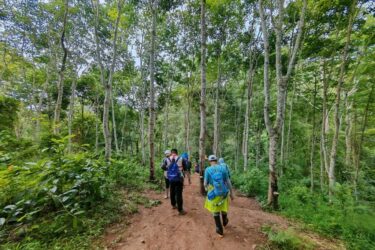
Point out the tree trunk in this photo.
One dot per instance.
(114, 125)
(274, 130)
(71, 113)
(313, 140)
(357, 157)
(60, 83)
(188, 121)
(202, 135)
(289, 128)
(215, 146)
(166, 117)
(152, 92)
(108, 88)
(40, 104)
(333, 155)
(245, 139)
(97, 124)
(348, 130)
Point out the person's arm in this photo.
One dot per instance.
(206, 182)
(229, 183)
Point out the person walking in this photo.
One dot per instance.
(187, 166)
(218, 187)
(176, 181)
(164, 165)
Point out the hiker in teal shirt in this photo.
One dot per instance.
(214, 176)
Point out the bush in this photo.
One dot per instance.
(342, 218)
(287, 240)
(252, 183)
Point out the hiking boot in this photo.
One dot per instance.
(183, 212)
(225, 219)
(174, 207)
(219, 226)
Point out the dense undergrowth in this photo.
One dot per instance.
(342, 218)
(53, 200)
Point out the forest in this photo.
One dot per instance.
(92, 92)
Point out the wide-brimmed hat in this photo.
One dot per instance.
(167, 152)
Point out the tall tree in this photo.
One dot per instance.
(281, 81)
(202, 135)
(60, 84)
(153, 6)
(333, 154)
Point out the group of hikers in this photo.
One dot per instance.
(216, 183)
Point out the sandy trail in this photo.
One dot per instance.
(162, 228)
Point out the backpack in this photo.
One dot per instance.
(165, 163)
(220, 188)
(173, 173)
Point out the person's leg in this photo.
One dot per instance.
(219, 226)
(179, 188)
(173, 194)
(166, 188)
(188, 174)
(224, 216)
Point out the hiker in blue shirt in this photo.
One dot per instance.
(218, 187)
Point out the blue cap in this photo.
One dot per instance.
(221, 160)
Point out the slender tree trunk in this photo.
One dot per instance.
(357, 161)
(40, 104)
(60, 83)
(289, 126)
(108, 88)
(71, 113)
(202, 135)
(114, 125)
(257, 144)
(348, 130)
(96, 124)
(323, 138)
(245, 139)
(123, 135)
(152, 92)
(166, 117)
(143, 146)
(215, 146)
(333, 155)
(313, 141)
(188, 121)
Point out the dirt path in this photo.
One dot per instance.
(162, 228)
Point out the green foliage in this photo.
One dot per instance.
(253, 183)
(64, 199)
(14, 150)
(286, 239)
(8, 113)
(343, 218)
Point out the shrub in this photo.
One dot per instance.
(252, 183)
(286, 239)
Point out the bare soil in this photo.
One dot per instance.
(161, 227)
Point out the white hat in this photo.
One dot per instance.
(167, 152)
(212, 158)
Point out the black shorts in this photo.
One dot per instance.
(166, 182)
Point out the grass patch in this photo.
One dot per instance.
(286, 239)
